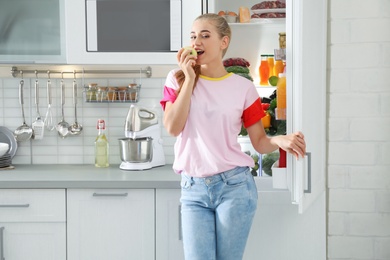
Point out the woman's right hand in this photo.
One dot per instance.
(186, 62)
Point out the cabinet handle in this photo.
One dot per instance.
(308, 190)
(2, 243)
(110, 194)
(180, 228)
(14, 206)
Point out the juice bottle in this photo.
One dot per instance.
(271, 65)
(281, 103)
(264, 70)
(279, 67)
(101, 145)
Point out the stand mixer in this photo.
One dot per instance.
(141, 124)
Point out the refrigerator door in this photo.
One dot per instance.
(306, 105)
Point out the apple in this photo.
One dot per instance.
(193, 51)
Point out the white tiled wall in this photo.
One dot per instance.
(359, 130)
(52, 149)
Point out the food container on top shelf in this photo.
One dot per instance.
(103, 94)
(231, 17)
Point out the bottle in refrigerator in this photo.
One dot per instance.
(270, 60)
(101, 145)
(281, 97)
(264, 70)
(278, 67)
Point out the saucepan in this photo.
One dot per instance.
(136, 150)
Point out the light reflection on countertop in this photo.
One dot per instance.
(88, 176)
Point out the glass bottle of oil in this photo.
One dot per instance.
(101, 145)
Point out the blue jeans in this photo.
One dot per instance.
(217, 214)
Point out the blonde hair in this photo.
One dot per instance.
(223, 30)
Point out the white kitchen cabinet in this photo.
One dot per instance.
(32, 31)
(77, 34)
(111, 224)
(169, 244)
(32, 224)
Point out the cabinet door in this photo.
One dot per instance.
(33, 241)
(306, 100)
(76, 37)
(169, 245)
(32, 31)
(32, 205)
(280, 232)
(110, 224)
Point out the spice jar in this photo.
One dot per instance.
(132, 92)
(91, 92)
(101, 94)
(121, 93)
(111, 94)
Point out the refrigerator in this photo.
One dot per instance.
(291, 218)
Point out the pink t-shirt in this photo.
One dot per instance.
(208, 143)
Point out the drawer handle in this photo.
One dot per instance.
(14, 205)
(2, 243)
(110, 194)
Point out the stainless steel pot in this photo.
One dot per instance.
(136, 150)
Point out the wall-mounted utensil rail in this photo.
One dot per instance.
(15, 72)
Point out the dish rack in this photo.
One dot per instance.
(104, 94)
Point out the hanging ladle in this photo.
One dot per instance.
(49, 116)
(63, 126)
(75, 128)
(23, 132)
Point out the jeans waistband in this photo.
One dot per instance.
(220, 176)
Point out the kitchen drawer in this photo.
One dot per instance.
(32, 205)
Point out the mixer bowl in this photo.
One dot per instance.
(136, 150)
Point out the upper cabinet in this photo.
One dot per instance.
(32, 31)
(128, 31)
(95, 31)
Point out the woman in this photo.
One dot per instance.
(204, 107)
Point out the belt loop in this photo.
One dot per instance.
(223, 177)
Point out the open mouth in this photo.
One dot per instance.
(199, 52)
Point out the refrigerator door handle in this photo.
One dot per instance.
(308, 190)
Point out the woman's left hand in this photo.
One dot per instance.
(294, 143)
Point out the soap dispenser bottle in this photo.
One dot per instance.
(101, 145)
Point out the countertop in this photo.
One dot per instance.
(85, 176)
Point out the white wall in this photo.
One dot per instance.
(359, 129)
(74, 149)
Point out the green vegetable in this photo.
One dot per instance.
(245, 75)
(237, 69)
(243, 131)
(268, 160)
